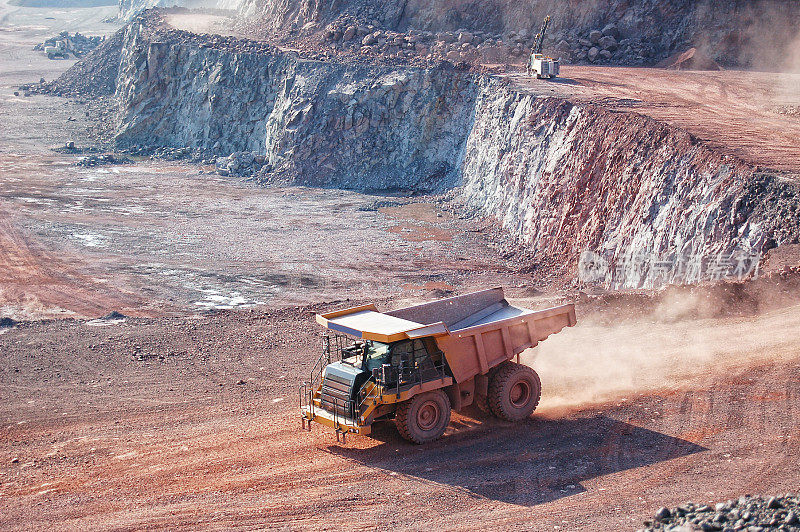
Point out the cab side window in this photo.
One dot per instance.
(402, 352)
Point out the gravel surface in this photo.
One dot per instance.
(751, 513)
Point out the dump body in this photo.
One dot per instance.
(482, 330)
(451, 345)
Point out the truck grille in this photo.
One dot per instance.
(335, 396)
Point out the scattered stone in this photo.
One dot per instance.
(242, 164)
(773, 503)
(100, 160)
(7, 323)
(241, 382)
(608, 43)
(595, 36)
(663, 514)
(349, 33)
(749, 513)
(593, 53)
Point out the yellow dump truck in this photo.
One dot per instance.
(416, 364)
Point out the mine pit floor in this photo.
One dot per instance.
(192, 422)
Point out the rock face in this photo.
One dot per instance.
(562, 179)
(361, 127)
(644, 197)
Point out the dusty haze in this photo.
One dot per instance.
(595, 363)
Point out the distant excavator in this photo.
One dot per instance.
(538, 64)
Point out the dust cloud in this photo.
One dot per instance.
(594, 363)
(792, 65)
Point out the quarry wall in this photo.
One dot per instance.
(322, 124)
(647, 200)
(562, 179)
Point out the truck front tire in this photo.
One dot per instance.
(424, 417)
(514, 391)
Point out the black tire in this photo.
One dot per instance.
(424, 417)
(514, 391)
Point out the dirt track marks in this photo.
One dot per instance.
(37, 282)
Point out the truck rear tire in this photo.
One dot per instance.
(424, 417)
(514, 391)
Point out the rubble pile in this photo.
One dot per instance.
(454, 46)
(243, 164)
(64, 45)
(95, 75)
(601, 46)
(754, 514)
(169, 153)
(91, 161)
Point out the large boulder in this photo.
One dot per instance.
(593, 53)
(350, 32)
(611, 30)
(608, 42)
(595, 36)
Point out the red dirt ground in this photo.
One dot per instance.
(752, 115)
(143, 425)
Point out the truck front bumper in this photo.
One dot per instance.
(336, 422)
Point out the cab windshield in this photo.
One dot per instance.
(366, 355)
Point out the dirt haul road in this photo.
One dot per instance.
(191, 422)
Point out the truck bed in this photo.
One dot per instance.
(476, 332)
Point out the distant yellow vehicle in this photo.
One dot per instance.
(416, 364)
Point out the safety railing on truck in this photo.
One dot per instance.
(405, 376)
(307, 388)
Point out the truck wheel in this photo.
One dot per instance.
(514, 391)
(424, 417)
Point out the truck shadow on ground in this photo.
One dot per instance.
(530, 463)
(564, 81)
